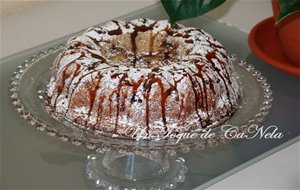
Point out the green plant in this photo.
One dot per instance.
(287, 7)
(184, 9)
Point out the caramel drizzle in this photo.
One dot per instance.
(61, 87)
(96, 42)
(148, 85)
(99, 111)
(92, 95)
(122, 79)
(77, 44)
(66, 54)
(203, 91)
(56, 64)
(151, 78)
(91, 67)
(174, 88)
(117, 31)
(209, 57)
(196, 94)
(181, 107)
(135, 86)
(76, 86)
(134, 34)
(146, 96)
(99, 57)
(200, 76)
(151, 43)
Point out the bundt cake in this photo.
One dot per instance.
(143, 75)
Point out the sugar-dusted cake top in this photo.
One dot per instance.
(134, 67)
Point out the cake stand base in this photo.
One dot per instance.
(114, 170)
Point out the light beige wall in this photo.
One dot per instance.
(11, 6)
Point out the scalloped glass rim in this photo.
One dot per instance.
(30, 79)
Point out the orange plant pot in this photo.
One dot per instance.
(288, 31)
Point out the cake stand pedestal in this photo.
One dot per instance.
(114, 170)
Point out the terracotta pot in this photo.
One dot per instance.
(288, 31)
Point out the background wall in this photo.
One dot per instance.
(37, 22)
(8, 7)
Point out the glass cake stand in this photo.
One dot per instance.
(120, 163)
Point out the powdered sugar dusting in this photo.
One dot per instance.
(143, 73)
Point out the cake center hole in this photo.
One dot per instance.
(143, 50)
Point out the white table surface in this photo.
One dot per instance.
(47, 21)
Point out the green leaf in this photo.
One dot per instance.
(184, 9)
(287, 7)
